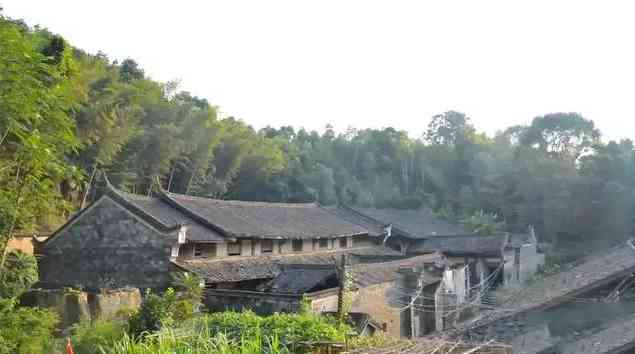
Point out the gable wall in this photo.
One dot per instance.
(106, 247)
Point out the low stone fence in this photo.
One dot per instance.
(74, 306)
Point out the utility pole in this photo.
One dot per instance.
(341, 311)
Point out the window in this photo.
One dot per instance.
(281, 244)
(233, 248)
(323, 242)
(296, 245)
(343, 242)
(267, 246)
(186, 250)
(204, 250)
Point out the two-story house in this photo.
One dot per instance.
(124, 239)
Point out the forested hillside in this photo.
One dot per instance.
(65, 114)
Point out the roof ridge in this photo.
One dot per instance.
(165, 196)
(434, 255)
(395, 226)
(242, 202)
(118, 196)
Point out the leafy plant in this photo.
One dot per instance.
(25, 330)
(483, 223)
(155, 312)
(90, 337)
(20, 272)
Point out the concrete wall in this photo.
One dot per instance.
(324, 301)
(529, 262)
(106, 247)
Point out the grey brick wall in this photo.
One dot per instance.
(107, 247)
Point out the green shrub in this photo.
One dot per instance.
(18, 274)
(155, 311)
(286, 328)
(89, 337)
(24, 329)
(234, 333)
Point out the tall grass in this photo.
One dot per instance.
(174, 341)
(233, 333)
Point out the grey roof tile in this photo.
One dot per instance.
(268, 220)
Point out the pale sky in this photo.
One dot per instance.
(371, 63)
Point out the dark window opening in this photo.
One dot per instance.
(267, 246)
(343, 242)
(233, 248)
(323, 242)
(185, 250)
(296, 245)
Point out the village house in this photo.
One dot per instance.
(414, 232)
(128, 240)
(408, 268)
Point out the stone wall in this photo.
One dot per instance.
(106, 246)
(74, 306)
(71, 306)
(109, 304)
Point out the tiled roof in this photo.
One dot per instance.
(302, 278)
(583, 275)
(214, 220)
(267, 220)
(376, 273)
(417, 223)
(267, 267)
(489, 245)
(172, 217)
(374, 227)
(617, 337)
(423, 346)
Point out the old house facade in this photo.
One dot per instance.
(127, 240)
(270, 257)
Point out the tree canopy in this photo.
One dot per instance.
(65, 113)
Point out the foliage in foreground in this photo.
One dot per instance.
(171, 341)
(223, 332)
(25, 330)
(91, 337)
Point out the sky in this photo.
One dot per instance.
(371, 64)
